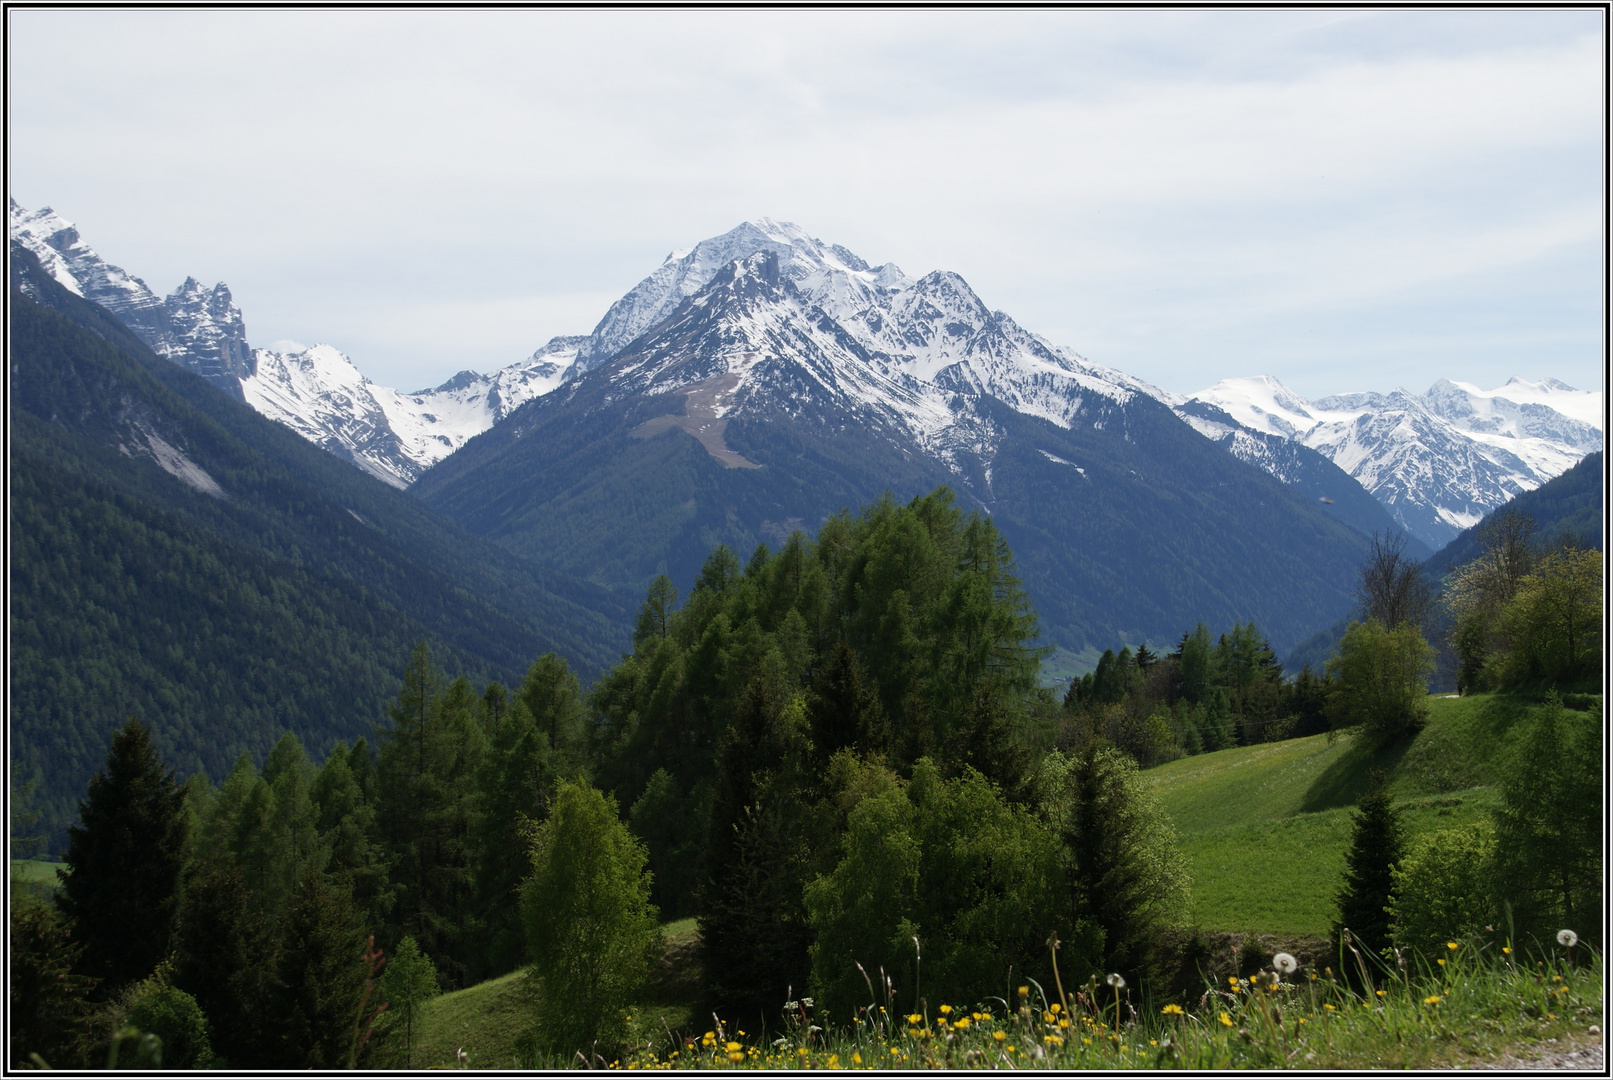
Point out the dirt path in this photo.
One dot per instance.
(1577, 1053)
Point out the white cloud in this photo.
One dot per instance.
(1163, 191)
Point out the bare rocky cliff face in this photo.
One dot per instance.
(194, 326)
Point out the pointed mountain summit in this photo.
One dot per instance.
(795, 381)
(196, 327)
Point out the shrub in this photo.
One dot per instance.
(408, 981)
(1554, 622)
(1442, 889)
(174, 1017)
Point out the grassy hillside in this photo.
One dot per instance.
(1264, 828)
(492, 1022)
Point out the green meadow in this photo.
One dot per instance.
(1264, 828)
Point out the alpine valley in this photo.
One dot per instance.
(764, 380)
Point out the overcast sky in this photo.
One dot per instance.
(1347, 200)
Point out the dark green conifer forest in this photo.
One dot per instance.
(835, 756)
(286, 600)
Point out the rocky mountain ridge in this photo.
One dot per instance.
(901, 349)
(1438, 461)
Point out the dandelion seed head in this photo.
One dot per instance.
(1116, 980)
(1285, 963)
(1567, 938)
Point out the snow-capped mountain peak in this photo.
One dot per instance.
(1438, 461)
(194, 326)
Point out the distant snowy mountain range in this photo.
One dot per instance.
(896, 352)
(1438, 462)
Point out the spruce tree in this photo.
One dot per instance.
(1194, 657)
(123, 863)
(554, 701)
(226, 958)
(843, 706)
(753, 923)
(347, 828)
(1124, 874)
(512, 790)
(319, 975)
(653, 617)
(47, 999)
(1549, 825)
(1377, 842)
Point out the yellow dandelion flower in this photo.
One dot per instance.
(732, 1046)
(1172, 1009)
(1024, 991)
(914, 1018)
(1450, 944)
(1507, 949)
(735, 1056)
(1052, 1040)
(1380, 993)
(1226, 1021)
(1329, 1008)
(962, 1024)
(1000, 1036)
(946, 1009)
(1431, 999)
(856, 1058)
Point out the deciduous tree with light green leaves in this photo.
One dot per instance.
(1553, 623)
(1380, 680)
(407, 983)
(591, 929)
(949, 862)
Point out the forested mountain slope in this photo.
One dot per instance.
(1568, 505)
(179, 557)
